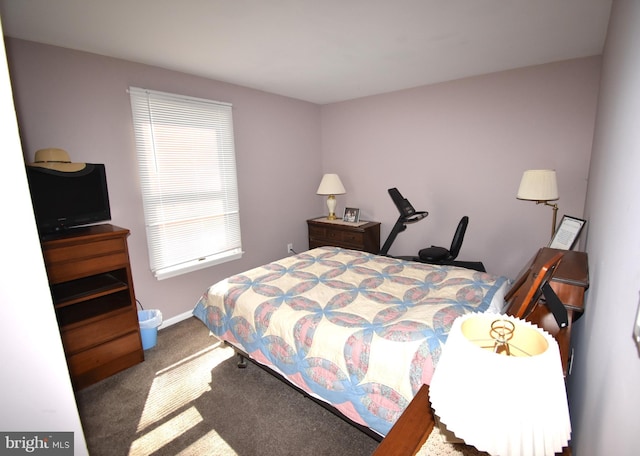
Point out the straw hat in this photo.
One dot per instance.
(57, 159)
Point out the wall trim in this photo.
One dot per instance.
(176, 319)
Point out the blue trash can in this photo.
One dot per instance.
(149, 321)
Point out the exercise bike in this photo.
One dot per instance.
(408, 215)
(433, 254)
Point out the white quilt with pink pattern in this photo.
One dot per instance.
(359, 331)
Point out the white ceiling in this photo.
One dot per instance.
(321, 51)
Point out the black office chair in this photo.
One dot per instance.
(440, 255)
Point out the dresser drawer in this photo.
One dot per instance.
(87, 266)
(76, 251)
(72, 260)
(103, 354)
(83, 336)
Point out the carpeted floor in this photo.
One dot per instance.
(189, 398)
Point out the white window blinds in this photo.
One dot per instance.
(188, 178)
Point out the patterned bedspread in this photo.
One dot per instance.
(359, 331)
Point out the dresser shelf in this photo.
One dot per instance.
(69, 293)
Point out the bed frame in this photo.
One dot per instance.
(242, 364)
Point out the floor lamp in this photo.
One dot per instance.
(541, 186)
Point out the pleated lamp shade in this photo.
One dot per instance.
(331, 185)
(538, 185)
(503, 405)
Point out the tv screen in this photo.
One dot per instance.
(63, 200)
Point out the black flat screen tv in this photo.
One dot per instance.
(65, 200)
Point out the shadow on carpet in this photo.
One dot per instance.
(189, 398)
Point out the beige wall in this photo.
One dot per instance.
(460, 148)
(605, 384)
(35, 393)
(452, 149)
(78, 101)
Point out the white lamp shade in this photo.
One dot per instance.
(538, 185)
(504, 405)
(331, 185)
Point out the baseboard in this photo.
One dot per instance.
(176, 319)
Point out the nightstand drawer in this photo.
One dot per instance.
(363, 236)
(336, 235)
(352, 238)
(316, 231)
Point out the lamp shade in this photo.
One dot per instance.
(504, 405)
(331, 185)
(538, 185)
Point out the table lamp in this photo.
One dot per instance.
(331, 185)
(540, 185)
(499, 386)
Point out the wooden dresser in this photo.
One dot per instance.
(92, 289)
(363, 236)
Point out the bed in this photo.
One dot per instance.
(354, 330)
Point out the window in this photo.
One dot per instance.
(187, 168)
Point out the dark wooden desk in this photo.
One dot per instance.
(570, 281)
(412, 429)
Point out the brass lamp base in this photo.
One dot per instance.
(331, 204)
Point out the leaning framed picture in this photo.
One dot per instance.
(567, 233)
(351, 214)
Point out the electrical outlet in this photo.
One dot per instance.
(290, 248)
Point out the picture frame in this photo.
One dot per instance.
(567, 233)
(351, 215)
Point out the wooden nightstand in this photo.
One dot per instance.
(363, 236)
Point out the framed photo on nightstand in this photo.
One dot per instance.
(351, 214)
(567, 233)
